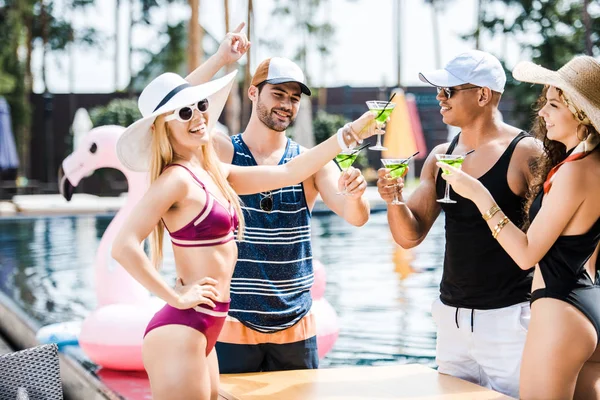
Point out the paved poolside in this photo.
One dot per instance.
(82, 203)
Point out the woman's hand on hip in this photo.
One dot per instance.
(199, 292)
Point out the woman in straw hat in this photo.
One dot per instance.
(194, 196)
(561, 356)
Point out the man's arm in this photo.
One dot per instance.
(410, 223)
(353, 208)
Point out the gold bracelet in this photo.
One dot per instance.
(499, 226)
(491, 212)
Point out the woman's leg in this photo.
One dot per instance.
(559, 342)
(588, 382)
(176, 363)
(213, 373)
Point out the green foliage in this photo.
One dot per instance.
(50, 24)
(301, 19)
(551, 31)
(325, 125)
(13, 71)
(121, 112)
(171, 58)
(24, 24)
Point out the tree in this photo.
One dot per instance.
(172, 57)
(233, 109)
(302, 18)
(54, 32)
(13, 83)
(195, 53)
(436, 7)
(551, 31)
(26, 23)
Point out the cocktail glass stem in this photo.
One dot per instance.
(345, 191)
(447, 193)
(396, 201)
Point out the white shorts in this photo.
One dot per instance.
(482, 346)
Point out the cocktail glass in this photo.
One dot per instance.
(397, 167)
(454, 160)
(344, 160)
(382, 110)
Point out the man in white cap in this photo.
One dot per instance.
(270, 325)
(483, 310)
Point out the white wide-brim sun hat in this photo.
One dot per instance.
(168, 92)
(579, 79)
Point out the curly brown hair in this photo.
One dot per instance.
(554, 152)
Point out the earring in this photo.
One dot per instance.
(587, 132)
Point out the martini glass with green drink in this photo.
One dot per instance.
(344, 160)
(454, 160)
(382, 111)
(397, 167)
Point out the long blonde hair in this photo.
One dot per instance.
(162, 155)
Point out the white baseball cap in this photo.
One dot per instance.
(278, 70)
(475, 67)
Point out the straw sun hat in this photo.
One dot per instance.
(168, 92)
(579, 79)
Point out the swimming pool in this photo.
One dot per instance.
(382, 294)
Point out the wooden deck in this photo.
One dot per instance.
(404, 382)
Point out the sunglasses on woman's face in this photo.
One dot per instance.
(448, 91)
(185, 114)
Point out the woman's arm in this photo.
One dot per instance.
(232, 48)
(127, 246)
(559, 206)
(249, 180)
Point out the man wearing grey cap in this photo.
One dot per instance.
(270, 324)
(483, 310)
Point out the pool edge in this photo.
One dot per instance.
(19, 330)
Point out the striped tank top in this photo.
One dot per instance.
(270, 288)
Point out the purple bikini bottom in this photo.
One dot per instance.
(202, 318)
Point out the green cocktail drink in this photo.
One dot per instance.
(345, 160)
(397, 167)
(397, 170)
(381, 115)
(382, 110)
(453, 163)
(454, 160)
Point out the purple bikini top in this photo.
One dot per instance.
(212, 226)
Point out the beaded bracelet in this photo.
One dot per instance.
(499, 226)
(340, 138)
(491, 212)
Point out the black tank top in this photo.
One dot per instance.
(478, 273)
(563, 265)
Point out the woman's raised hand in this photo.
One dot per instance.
(361, 128)
(200, 292)
(234, 46)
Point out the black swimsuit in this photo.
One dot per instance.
(564, 274)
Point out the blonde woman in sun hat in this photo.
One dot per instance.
(194, 197)
(561, 353)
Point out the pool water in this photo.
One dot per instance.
(382, 293)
